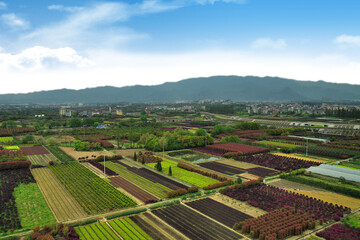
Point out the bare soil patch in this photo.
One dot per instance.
(238, 205)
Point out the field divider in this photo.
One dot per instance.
(193, 209)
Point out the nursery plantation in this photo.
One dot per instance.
(176, 175)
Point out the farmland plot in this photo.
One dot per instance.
(131, 188)
(222, 168)
(60, 201)
(34, 150)
(194, 225)
(218, 211)
(123, 227)
(41, 159)
(93, 194)
(21, 203)
(155, 228)
(136, 176)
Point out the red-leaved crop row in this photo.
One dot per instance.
(277, 224)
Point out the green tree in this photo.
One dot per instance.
(27, 139)
(75, 122)
(135, 157)
(143, 160)
(170, 171)
(158, 166)
(230, 139)
(200, 132)
(239, 180)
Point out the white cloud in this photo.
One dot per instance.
(3, 5)
(62, 8)
(348, 40)
(214, 1)
(268, 43)
(124, 68)
(14, 21)
(40, 58)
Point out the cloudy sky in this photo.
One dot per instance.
(79, 44)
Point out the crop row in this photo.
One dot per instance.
(93, 194)
(340, 231)
(334, 153)
(152, 187)
(101, 167)
(131, 188)
(6, 139)
(278, 224)
(34, 150)
(271, 198)
(12, 148)
(218, 211)
(63, 205)
(11, 131)
(194, 225)
(63, 157)
(123, 227)
(277, 162)
(41, 159)
(239, 149)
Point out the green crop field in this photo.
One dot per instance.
(123, 227)
(93, 193)
(185, 175)
(31, 206)
(6, 139)
(11, 147)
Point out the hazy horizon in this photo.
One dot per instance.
(49, 45)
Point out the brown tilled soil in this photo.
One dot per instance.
(77, 154)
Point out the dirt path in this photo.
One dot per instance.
(238, 205)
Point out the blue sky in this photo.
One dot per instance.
(78, 44)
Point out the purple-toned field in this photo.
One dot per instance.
(280, 163)
(216, 210)
(222, 168)
(270, 198)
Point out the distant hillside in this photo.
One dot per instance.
(236, 88)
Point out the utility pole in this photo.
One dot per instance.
(163, 148)
(205, 138)
(104, 166)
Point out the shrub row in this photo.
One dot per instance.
(218, 184)
(182, 191)
(15, 165)
(108, 158)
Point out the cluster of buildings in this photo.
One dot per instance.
(296, 108)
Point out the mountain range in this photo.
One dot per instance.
(236, 88)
